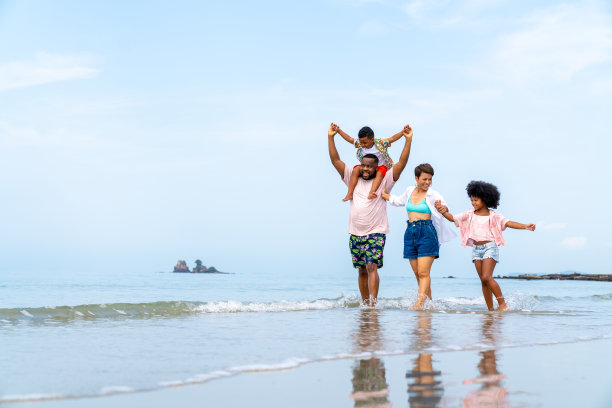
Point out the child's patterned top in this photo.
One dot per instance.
(381, 145)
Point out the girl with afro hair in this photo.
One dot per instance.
(481, 228)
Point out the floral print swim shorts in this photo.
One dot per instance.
(367, 249)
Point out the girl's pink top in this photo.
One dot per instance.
(497, 223)
(481, 231)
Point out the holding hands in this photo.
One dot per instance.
(442, 209)
(407, 131)
(385, 195)
(333, 129)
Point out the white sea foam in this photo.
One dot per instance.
(200, 378)
(26, 313)
(232, 306)
(29, 397)
(165, 384)
(464, 301)
(285, 365)
(116, 389)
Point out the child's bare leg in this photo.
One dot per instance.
(486, 292)
(488, 265)
(377, 182)
(353, 183)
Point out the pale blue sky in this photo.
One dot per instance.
(135, 134)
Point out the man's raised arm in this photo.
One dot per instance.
(403, 160)
(333, 152)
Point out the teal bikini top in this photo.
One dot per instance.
(421, 207)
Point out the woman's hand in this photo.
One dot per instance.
(385, 195)
(530, 227)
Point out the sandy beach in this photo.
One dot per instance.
(559, 375)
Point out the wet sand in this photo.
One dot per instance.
(546, 375)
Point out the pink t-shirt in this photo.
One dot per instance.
(368, 216)
(497, 223)
(481, 230)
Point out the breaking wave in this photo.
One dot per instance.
(170, 309)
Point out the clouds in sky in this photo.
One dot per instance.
(45, 68)
(556, 43)
(574, 242)
(550, 226)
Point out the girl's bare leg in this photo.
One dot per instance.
(486, 292)
(423, 270)
(353, 183)
(488, 265)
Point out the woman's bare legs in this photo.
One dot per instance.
(414, 265)
(490, 287)
(421, 268)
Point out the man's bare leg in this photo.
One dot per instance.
(373, 282)
(353, 183)
(362, 279)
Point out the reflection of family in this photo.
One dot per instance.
(368, 186)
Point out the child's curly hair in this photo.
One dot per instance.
(487, 192)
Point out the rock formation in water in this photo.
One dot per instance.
(181, 266)
(199, 268)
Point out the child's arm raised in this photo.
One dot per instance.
(399, 134)
(442, 209)
(344, 135)
(518, 225)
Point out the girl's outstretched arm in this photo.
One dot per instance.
(518, 225)
(442, 209)
(344, 135)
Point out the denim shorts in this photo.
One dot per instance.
(488, 250)
(367, 249)
(421, 239)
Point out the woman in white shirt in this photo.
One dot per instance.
(425, 231)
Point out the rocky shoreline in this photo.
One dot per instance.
(562, 276)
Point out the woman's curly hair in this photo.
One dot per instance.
(487, 192)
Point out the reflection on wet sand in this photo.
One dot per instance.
(424, 383)
(370, 388)
(491, 392)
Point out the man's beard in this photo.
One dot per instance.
(369, 178)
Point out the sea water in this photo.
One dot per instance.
(81, 335)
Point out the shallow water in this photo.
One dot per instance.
(76, 336)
